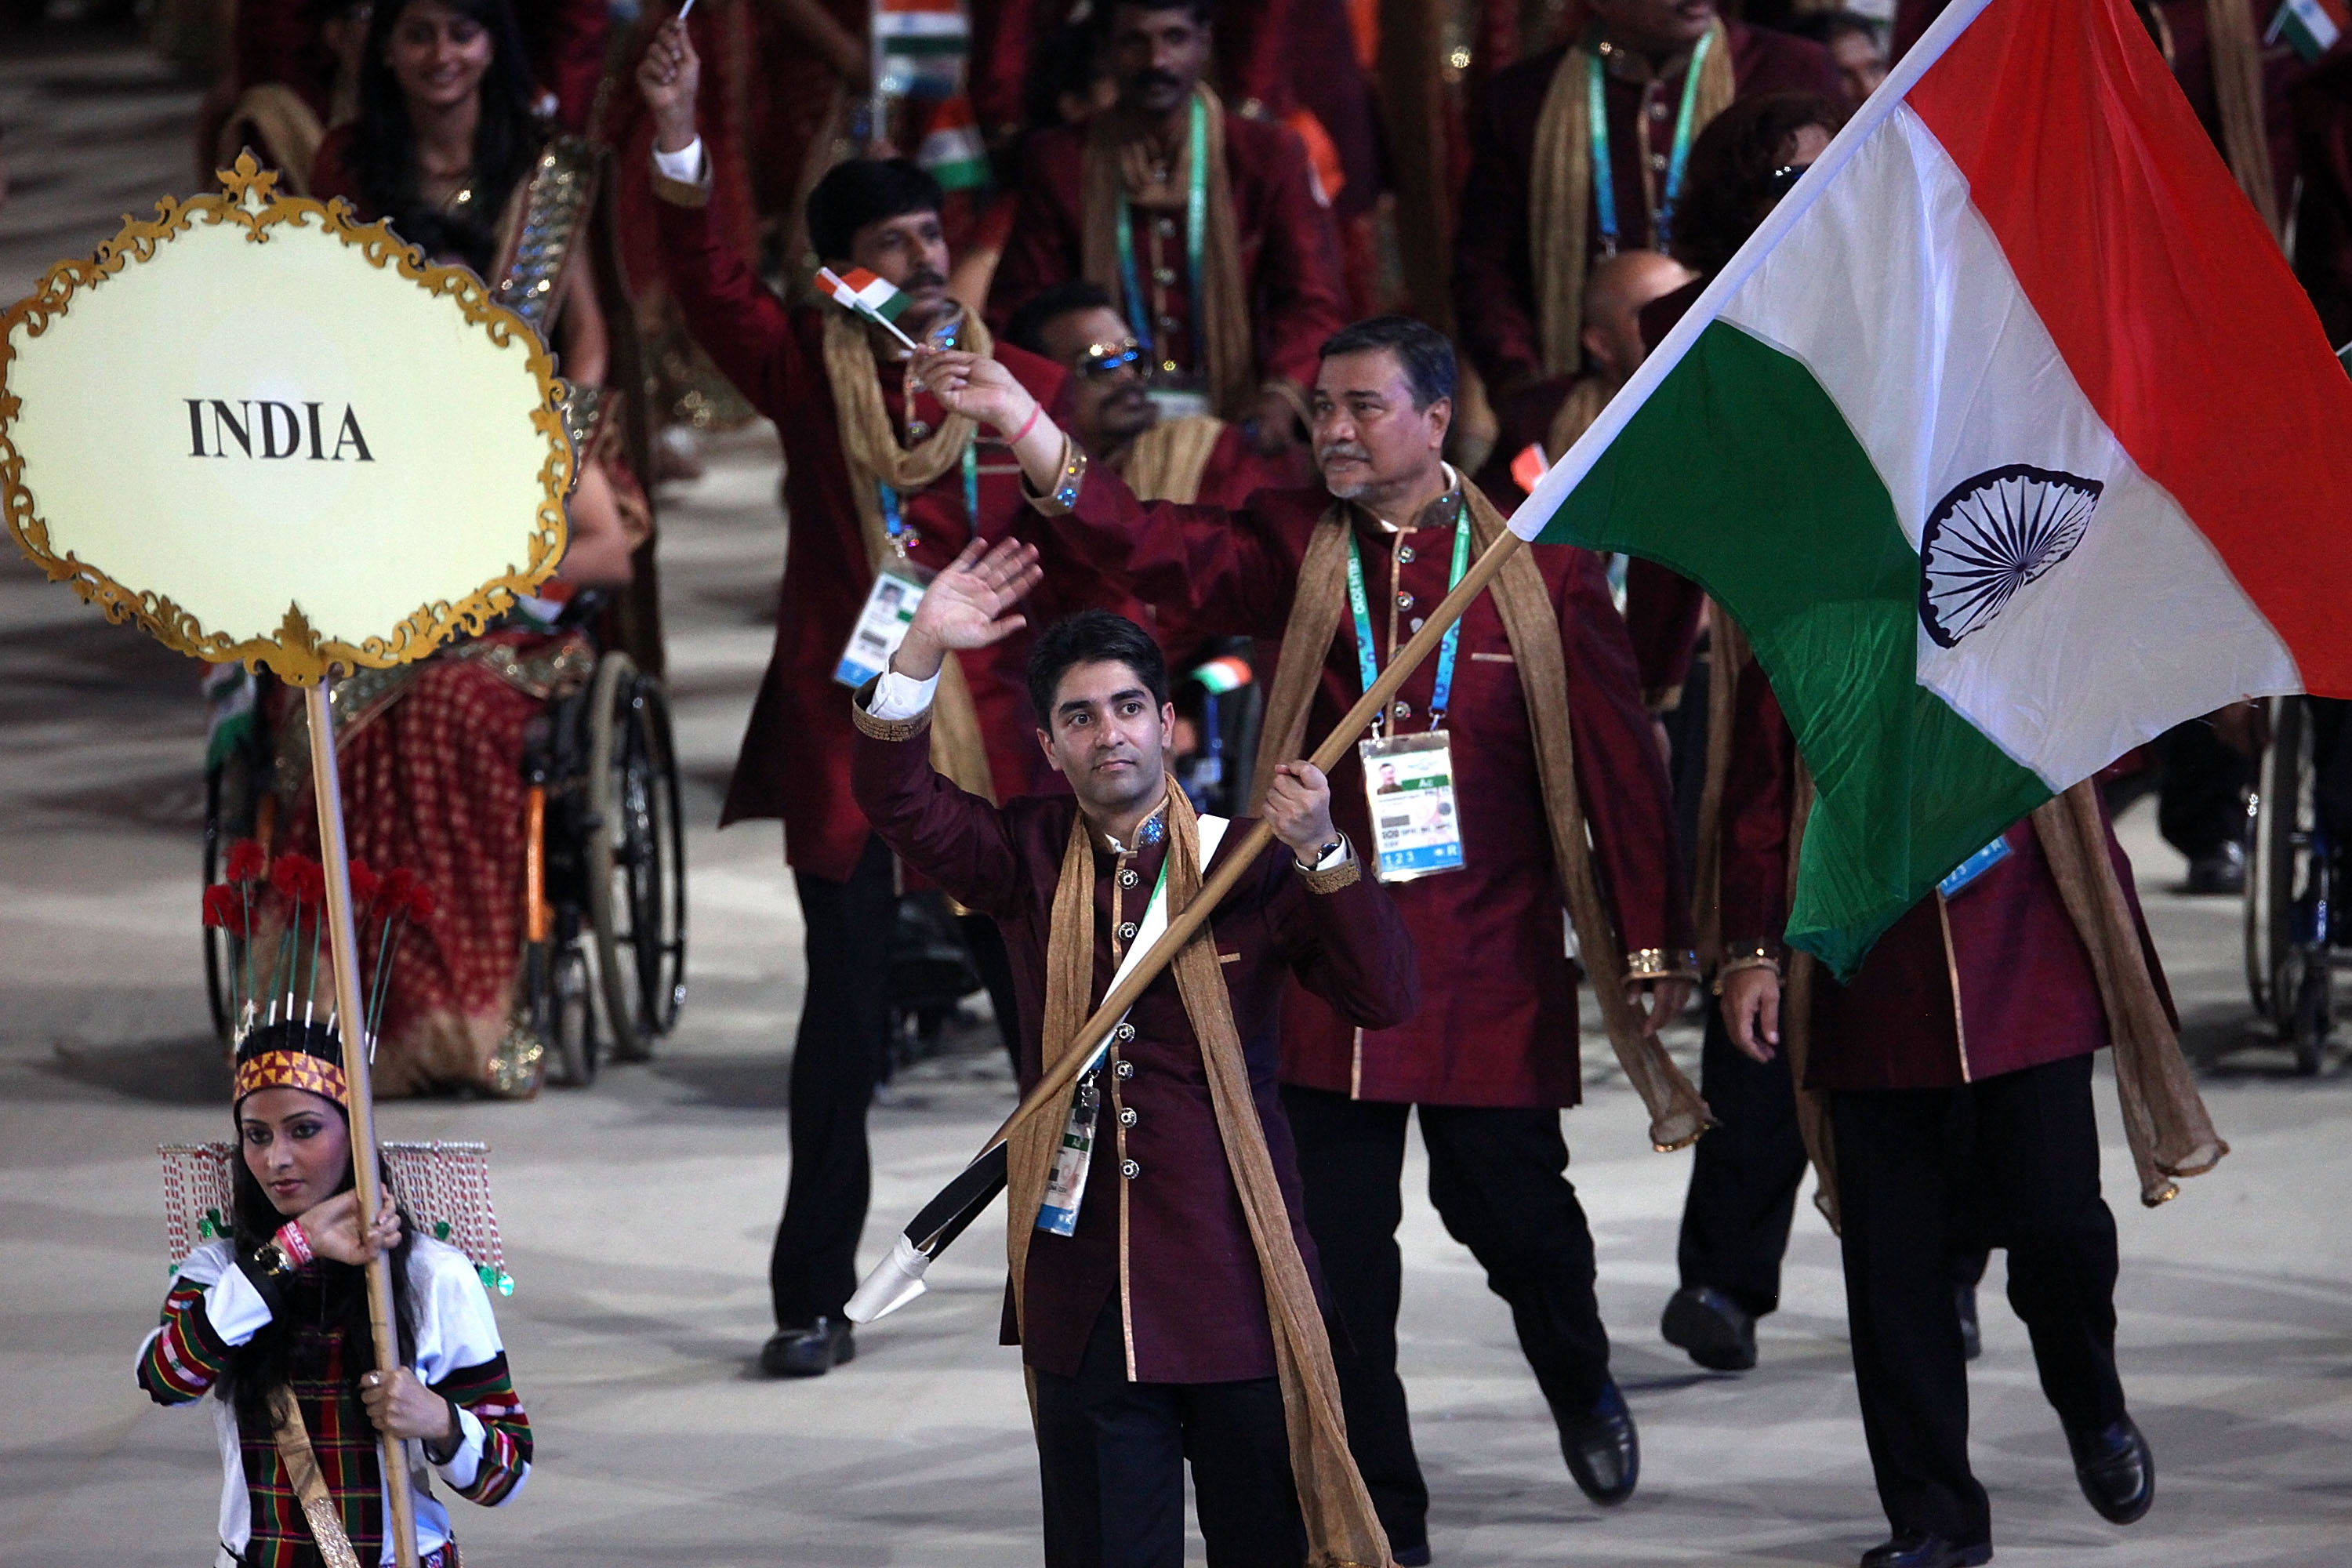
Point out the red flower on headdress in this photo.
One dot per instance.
(246, 860)
(300, 878)
(225, 906)
(365, 885)
(405, 894)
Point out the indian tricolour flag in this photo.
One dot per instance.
(2007, 437)
(861, 292)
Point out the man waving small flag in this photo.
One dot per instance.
(2009, 439)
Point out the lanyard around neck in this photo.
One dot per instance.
(901, 532)
(1604, 179)
(1368, 664)
(1196, 225)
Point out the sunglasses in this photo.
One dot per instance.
(1102, 360)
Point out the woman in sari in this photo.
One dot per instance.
(446, 149)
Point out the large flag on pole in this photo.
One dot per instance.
(2009, 439)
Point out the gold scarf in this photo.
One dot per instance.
(1578, 410)
(870, 449)
(1117, 167)
(2164, 1120)
(2237, 56)
(1678, 1114)
(1560, 192)
(1167, 462)
(1343, 1531)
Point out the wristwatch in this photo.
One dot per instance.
(271, 1260)
(1323, 854)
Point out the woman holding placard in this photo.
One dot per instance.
(271, 1315)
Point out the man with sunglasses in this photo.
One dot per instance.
(1196, 458)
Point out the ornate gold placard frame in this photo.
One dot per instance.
(295, 651)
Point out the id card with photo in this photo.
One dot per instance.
(881, 625)
(1409, 785)
(1066, 1183)
(1975, 865)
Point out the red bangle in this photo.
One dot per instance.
(294, 1244)
(1035, 411)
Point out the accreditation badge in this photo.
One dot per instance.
(1066, 1183)
(1975, 865)
(882, 624)
(1409, 783)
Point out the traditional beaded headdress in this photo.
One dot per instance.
(274, 913)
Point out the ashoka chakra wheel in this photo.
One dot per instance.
(1990, 536)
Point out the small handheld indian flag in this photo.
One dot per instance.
(2311, 26)
(862, 293)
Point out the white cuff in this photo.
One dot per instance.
(684, 166)
(897, 696)
(466, 1462)
(235, 1307)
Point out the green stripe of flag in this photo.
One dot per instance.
(1787, 523)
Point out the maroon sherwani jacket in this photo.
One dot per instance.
(795, 758)
(1493, 272)
(1497, 1024)
(1990, 981)
(1161, 1224)
(1290, 253)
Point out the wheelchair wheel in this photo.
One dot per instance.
(2274, 873)
(233, 790)
(565, 1011)
(637, 857)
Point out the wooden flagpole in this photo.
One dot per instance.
(350, 1003)
(1181, 926)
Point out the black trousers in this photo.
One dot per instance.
(1498, 1180)
(1745, 1176)
(838, 1057)
(1111, 1455)
(2201, 803)
(2026, 1147)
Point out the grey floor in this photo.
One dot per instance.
(637, 1213)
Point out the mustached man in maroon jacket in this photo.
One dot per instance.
(1146, 1318)
(794, 366)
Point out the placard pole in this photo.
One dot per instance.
(366, 1164)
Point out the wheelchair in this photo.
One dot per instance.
(603, 967)
(2295, 927)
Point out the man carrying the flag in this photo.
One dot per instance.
(1162, 1285)
(1525, 780)
(2007, 452)
(884, 486)
(1206, 227)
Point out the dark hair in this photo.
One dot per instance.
(1205, 12)
(1430, 368)
(506, 138)
(1066, 59)
(1027, 328)
(1092, 637)
(1829, 27)
(330, 1293)
(864, 191)
(1730, 186)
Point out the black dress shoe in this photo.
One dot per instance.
(1915, 1549)
(1717, 1333)
(2117, 1472)
(1964, 1296)
(1603, 1451)
(2223, 872)
(808, 1350)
